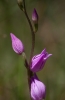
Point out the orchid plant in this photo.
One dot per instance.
(36, 63)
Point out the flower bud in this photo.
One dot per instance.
(39, 60)
(34, 16)
(17, 44)
(35, 19)
(38, 89)
(20, 3)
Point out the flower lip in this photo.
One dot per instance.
(17, 44)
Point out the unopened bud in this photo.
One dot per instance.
(34, 16)
(20, 3)
(17, 45)
(38, 89)
(35, 19)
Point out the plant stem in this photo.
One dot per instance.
(32, 31)
(29, 72)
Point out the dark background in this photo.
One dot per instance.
(50, 35)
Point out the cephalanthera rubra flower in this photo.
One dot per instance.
(39, 60)
(38, 89)
(16, 44)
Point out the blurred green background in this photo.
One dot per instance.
(50, 35)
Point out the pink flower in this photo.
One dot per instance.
(16, 44)
(38, 89)
(39, 60)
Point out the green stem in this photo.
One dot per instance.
(32, 31)
(29, 72)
